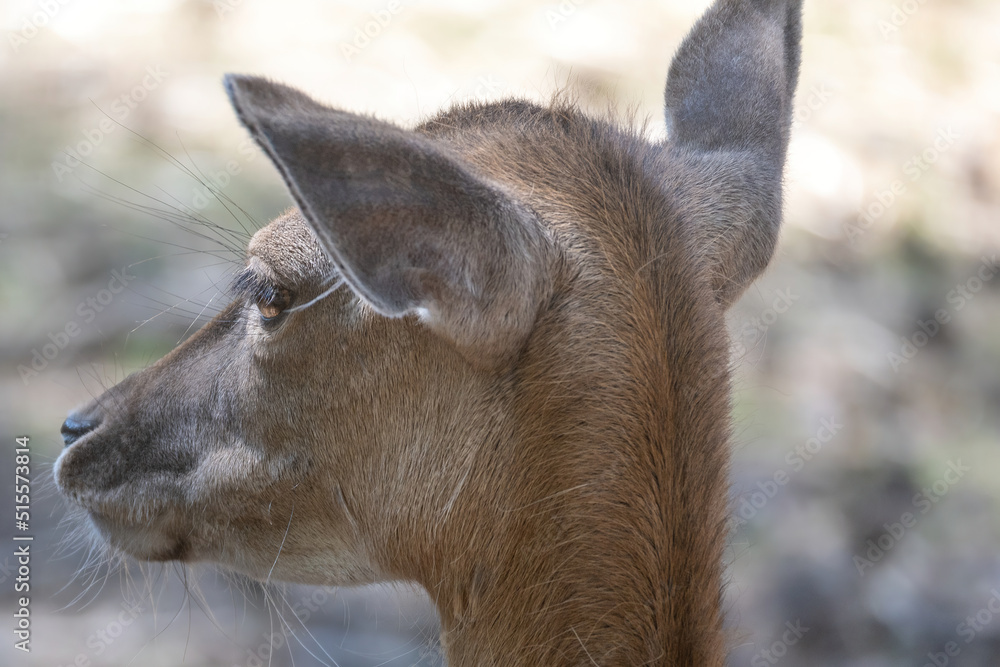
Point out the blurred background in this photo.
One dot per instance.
(866, 490)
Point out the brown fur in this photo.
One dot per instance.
(521, 399)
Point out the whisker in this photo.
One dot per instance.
(184, 169)
(195, 320)
(175, 218)
(222, 197)
(282, 545)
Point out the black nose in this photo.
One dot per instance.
(75, 428)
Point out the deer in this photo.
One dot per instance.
(486, 355)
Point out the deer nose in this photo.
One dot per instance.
(75, 428)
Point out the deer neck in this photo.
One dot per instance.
(595, 535)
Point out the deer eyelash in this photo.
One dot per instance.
(251, 286)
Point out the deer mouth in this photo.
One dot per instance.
(139, 519)
(146, 531)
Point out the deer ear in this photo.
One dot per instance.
(410, 228)
(729, 110)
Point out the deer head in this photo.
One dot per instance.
(486, 355)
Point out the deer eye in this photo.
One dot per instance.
(273, 304)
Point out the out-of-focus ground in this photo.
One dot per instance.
(866, 478)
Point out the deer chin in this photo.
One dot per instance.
(142, 542)
(144, 533)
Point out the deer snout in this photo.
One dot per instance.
(77, 426)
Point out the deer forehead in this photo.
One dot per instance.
(287, 249)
